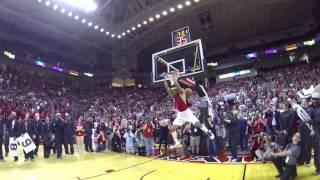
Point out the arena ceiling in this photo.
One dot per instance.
(217, 22)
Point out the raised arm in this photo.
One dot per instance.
(176, 83)
(166, 86)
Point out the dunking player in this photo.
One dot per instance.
(180, 97)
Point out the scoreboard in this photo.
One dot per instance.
(180, 36)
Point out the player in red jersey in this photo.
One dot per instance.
(180, 97)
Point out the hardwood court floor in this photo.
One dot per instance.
(128, 167)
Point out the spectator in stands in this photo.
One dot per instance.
(316, 124)
(275, 118)
(68, 135)
(116, 139)
(211, 143)
(2, 129)
(129, 137)
(140, 140)
(28, 126)
(164, 133)
(194, 139)
(221, 134)
(36, 138)
(232, 125)
(287, 122)
(14, 129)
(48, 137)
(59, 134)
(148, 137)
(243, 127)
(88, 126)
(79, 133)
(101, 142)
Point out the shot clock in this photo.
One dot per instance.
(180, 36)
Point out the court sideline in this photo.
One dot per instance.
(121, 166)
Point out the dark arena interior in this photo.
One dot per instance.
(159, 89)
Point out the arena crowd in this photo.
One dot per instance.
(134, 120)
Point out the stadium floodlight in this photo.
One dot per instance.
(63, 11)
(96, 27)
(139, 25)
(90, 24)
(119, 36)
(101, 30)
(76, 17)
(107, 33)
(55, 7)
(128, 31)
(86, 5)
(180, 6)
(145, 22)
(84, 21)
(123, 34)
(88, 74)
(151, 19)
(157, 16)
(70, 14)
(172, 9)
(196, 1)
(188, 3)
(39, 1)
(133, 28)
(112, 35)
(47, 3)
(164, 13)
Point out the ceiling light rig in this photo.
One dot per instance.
(55, 7)
(164, 13)
(89, 5)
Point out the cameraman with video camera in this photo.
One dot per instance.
(286, 160)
